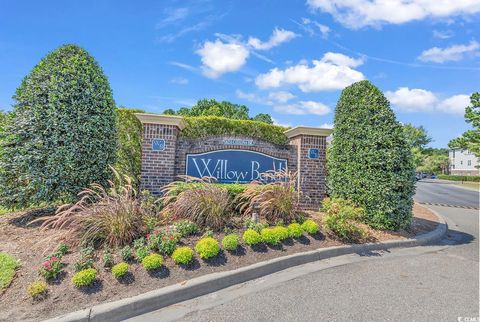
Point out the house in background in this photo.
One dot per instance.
(463, 162)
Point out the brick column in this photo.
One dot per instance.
(311, 163)
(159, 146)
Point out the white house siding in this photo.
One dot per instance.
(463, 162)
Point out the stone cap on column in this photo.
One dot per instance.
(306, 130)
(148, 118)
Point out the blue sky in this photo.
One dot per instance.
(287, 58)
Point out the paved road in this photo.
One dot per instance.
(444, 192)
(439, 282)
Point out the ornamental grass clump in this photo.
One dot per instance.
(152, 262)
(342, 218)
(37, 290)
(119, 270)
(85, 277)
(230, 242)
(182, 255)
(295, 230)
(111, 217)
(310, 227)
(276, 199)
(207, 205)
(251, 237)
(207, 247)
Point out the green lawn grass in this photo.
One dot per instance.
(470, 185)
(8, 265)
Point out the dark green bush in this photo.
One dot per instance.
(129, 152)
(197, 127)
(62, 136)
(459, 178)
(370, 161)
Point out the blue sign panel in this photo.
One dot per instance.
(233, 166)
(313, 153)
(158, 145)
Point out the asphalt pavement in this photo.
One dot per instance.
(447, 193)
(438, 282)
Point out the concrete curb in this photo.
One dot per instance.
(157, 299)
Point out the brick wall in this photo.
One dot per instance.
(311, 172)
(158, 167)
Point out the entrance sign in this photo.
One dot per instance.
(313, 153)
(233, 166)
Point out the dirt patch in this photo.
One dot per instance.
(30, 245)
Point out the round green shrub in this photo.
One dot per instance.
(85, 277)
(37, 289)
(270, 236)
(152, 261)
(370, 161)
(62, 137)
(252, 237)
(295, 230)
(119, 270)
(310, 227)
(182, 255)
(282, 232)
(230, 242)
(207, 247)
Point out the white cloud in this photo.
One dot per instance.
(326, 126)
(455, 104)
(421, 100)
(219, 57)
(443, 34)
(324, 29)
(179, 81)
(303, 107)
(278, 37)
(183, 66)
(361, 13)
(452, 53)
(412, 100)
(332, 72)
(172, 16)
(276, 122)
(281, 96)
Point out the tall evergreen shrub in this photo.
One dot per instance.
(370, 161)
(62, 136)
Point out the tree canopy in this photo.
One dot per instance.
(470, 139)
(62, 136)
(370, 161)
(211, 107)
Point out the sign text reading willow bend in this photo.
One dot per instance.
(233, 166)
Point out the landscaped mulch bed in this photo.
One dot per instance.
(30, 245)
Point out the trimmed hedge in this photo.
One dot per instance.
(459, 178)
(234, 189)
(197, 127)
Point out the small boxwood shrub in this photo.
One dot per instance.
(37, 289)
(252, 237)
(270, 236)
(182, 255)
(85, 277)
(230, 242)
(152, 262)
(119, 270)
(295, 230)
(282, 232)
(207, 247)
(310, 227)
